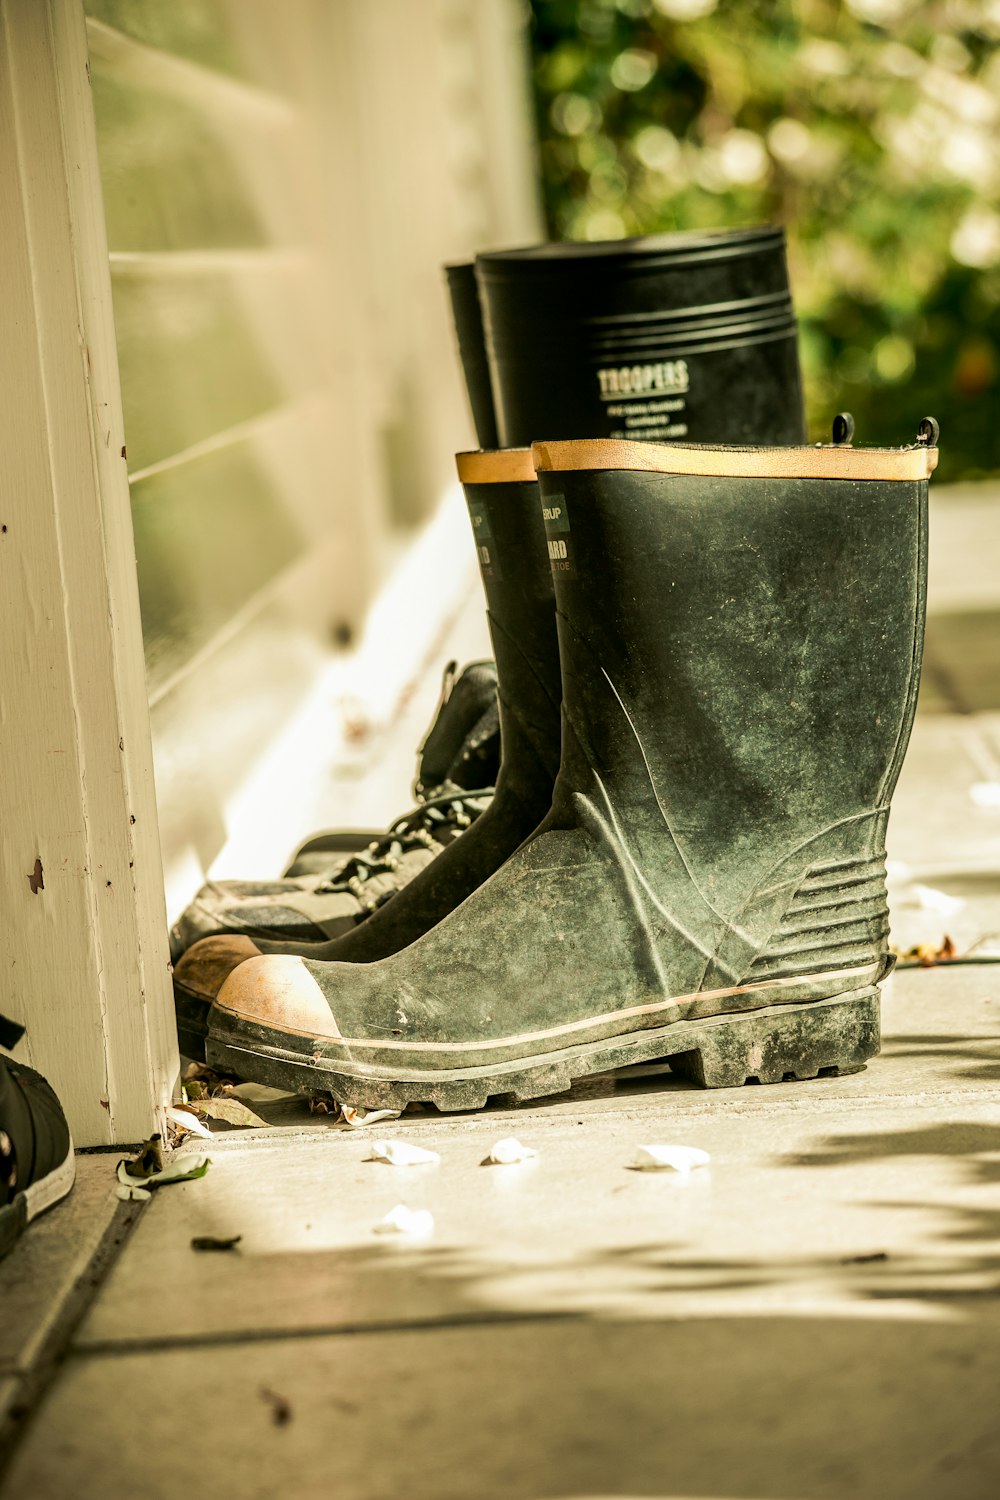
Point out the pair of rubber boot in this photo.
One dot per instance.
(739, 644)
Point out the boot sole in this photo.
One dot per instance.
(778, 1044)
(192, 1025)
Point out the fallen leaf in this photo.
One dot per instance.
(323, 1104)
(201, 1081)
(179, 1166)
(928, 955)
(281, 1411)
(149, 1159)
(210, 1242)
(233, 1111)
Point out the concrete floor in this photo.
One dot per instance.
(816, 1314)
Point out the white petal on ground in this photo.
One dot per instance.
(669, 1159)
(355, 1118)
(418, 1222)
(133, 1194)
(185, 1119)
(928, 899)
(402, 1154)
(258, 1093)
(508, 1151)
(179, 1166)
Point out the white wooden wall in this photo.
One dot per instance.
(262, 196)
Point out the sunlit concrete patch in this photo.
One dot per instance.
(813, 1407)
(854, 1211)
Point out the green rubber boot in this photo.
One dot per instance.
(506, 517)
(502, 495)
(740, 635)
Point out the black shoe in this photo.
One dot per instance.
(37, 1165)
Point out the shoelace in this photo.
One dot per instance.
(414, 830)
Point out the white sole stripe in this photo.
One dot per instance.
(53, 1186)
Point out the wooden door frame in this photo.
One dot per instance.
(83, 942)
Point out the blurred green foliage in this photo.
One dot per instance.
(869, 128)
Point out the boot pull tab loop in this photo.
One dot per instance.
(928, 433)
(843, 429)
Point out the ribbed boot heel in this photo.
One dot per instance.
(822, 1040)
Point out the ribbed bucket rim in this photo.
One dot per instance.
(691, 344)
(761, 305)
(644, 333)
(644, 253)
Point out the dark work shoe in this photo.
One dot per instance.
(338, 879)
(740, 631)
(305, 910)
(37, 1165)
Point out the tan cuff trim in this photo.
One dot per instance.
(496, 466)
(821, 462)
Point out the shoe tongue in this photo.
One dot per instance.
(459, 746)
(477, 762)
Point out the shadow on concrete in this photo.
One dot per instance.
(643, 1370)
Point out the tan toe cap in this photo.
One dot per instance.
(208, 963)
(278, 991)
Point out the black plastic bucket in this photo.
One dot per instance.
(672, 338)
(468, 319)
